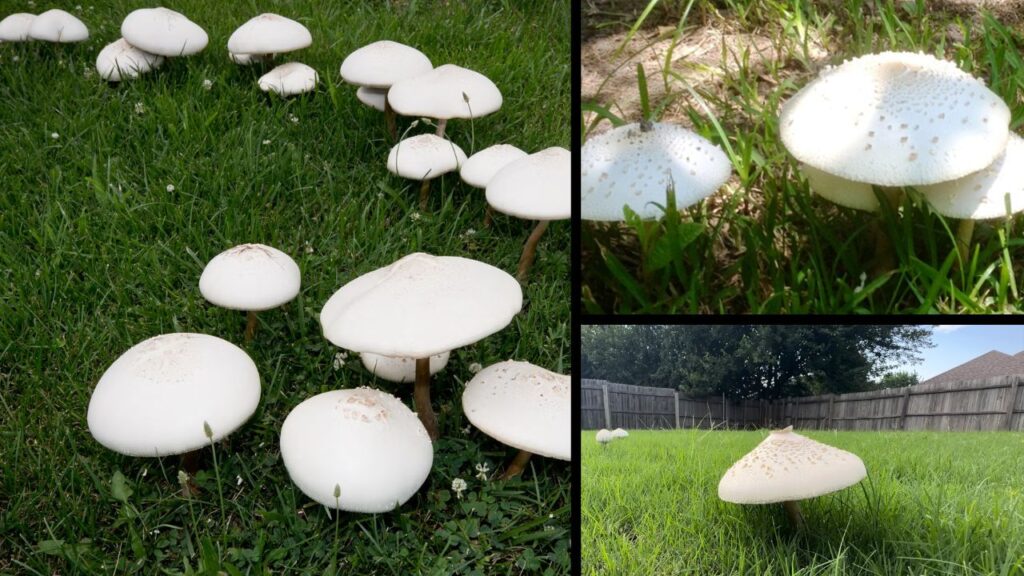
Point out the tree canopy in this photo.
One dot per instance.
(751, 361)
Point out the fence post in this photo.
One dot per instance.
(831, 403)
(725, 412)
(676, 396)
(1011, 404)
(906, 408)
(607, 408)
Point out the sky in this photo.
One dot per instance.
(956, 344)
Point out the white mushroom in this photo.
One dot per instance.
(289, 79)
(359, 450)
(537, 187)
(446, 92)
(15, 27)
(787, 467)
(163, 32)
(636, 164)
(250, 277)
(376, 67)
(424, 157)
(259, 38)
(400, 370)
(375, 98)
(524, 406)
(120, 60)
(604, 437)
(619, 433)
(419, 306)
(479, 168)
(58, 26)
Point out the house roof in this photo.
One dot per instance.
(992, 364)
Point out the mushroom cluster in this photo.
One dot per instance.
(899, 119)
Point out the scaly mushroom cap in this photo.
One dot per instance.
(400, 370)
(425, 157)
(164, 32)
(250, 277)
(420, 306)
(446, 92)
(982, 195)
(619, 433)
(15, 27)
(627, 166)
(524, 406)
(537, 187)
(289, 79)
(155, 398)
(372, 97)
(364, 441)
(57, 26)
(895, 119)
(121, 61)
(787, 466)
(604, 436)
(382, 63)
(479, 168)
(269, 34)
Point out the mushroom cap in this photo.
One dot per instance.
(57, 26)
(372, 97)
(400, 370)
(981, 194)
(849, 193)
(787, 466)
(382, 63)
(364, 441)
(523, 406)
(425, 157)
(250, 277)
(537, 187)
(628, 166)
(604, 436)
(895, 119)
(14, 28)
(119, 60)
(155, 398)
(479, 168)
(289, 79)
(248, 59)
(269, 34)
(619, 433)
(164, 32)
(421, 305)
(448, 91)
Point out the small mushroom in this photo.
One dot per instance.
(524, 406)
(359, 450)
(446, 92)
(289, 79)
(424, 157)
(400, 370)
(58, 26)
(537, 187)
(250, 277)
(636, 164)
(619, 433)
(376, 67)
(604, 437)
(479, 168)
(263, 36)
(15, 27)
(420, 306)
(163, 32)
(120, 60)
(787, 467)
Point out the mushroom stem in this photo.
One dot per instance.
(963, 239)
(421, 398)
(250, 326)
(516, 466)
(389, 118)
(488, 214)
(190, 464)
(796, 518)
(424, 194)
(530, 249)
(885, 257)
(441, 124)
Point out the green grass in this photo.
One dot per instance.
(105, 228)
(933, 503)
(764, 244)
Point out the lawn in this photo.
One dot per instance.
(933, 503)
(114, 198)
(763, 243)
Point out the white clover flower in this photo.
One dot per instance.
(415, 216)
(339, 361)
(458, 486)
(207, 84)
(470, 232)
(54, 135)
(265, 142)
(309, 247)
(170, 187)
(140, 108)
(482, 470)
(475, 367)
(294, 119)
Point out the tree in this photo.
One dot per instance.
(898, 379)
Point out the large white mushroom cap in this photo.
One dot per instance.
(289, 79)
(164, 32)
(401, 370)
(628, 166)
(421, 305)
(155, 399)
(787, 466)
(372, 97)
(382, 63)
(524, 406)
(537, 187)
(619, 433)
(479, 168)
(120, 60)
(14, 28)
(250, 277)
(448, 91)
(849, 193)
(604, 436)
(982, 194)
(364, 442)
(269, 34)
(895, 119)
(58, 26)
(425, 157)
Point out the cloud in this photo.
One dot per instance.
(947, 328)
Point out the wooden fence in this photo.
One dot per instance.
(992, 404)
